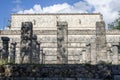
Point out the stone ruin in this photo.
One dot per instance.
(4, 51)
(62, 32)
(26, 43)
(93, 51)
(30, 51)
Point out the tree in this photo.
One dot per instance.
(115, 24)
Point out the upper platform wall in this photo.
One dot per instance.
(76, 21)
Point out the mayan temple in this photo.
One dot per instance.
(60, 39)
(59, 46)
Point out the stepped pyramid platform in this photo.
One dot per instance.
(60, 71)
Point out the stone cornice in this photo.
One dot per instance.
(54, 32)
(61, 14)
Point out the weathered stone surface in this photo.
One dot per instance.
(93, 54)
(5, 52)
(26, 42)
(81, 32)
(101, 41)
(45, 21)
(35, 50)
(12, 54)
(62, 39)
(84, 71)
(115, 57)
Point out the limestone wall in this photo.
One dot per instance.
(49, 21)
(77, 43)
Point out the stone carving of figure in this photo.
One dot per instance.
(5, 51)
(12, 52)
(35, 52)
(26, 42)
(62, 32)
(38, 51)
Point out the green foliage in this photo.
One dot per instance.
(115, 24)
(2, 62)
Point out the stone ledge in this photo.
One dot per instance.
(54, 32)
(62, 14)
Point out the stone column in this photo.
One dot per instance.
(84, 55)
(88, 52)
(41, 52)
(93, 53)
(83, 52)
(5, 51)
(43, 58)
(26, 42)
(62, 42)
(115, 57)
(35, 52)
(80, 57)
(38, 51)
(109, 55)
(101, 41)
(12, 54)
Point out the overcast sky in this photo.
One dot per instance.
(108, 8)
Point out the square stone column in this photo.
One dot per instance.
(12, 54)
(101, 42)
(109, 53)
(26, 42)
(62, 42)
(115, 57)
(84, 56)
(41, 55)
(5, 52)
(80, 57)
(93, 53)
(85, 52)
(88, 52)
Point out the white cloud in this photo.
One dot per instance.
(36, 9)
(109, 8)
(105, 7)
(115, 5)
(82, 5)
(59, 8)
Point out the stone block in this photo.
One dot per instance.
(51, 57)
(109, 45)
(83, 44)
(115, 44)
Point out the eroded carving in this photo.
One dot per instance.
(35, 49)
(26, 42)
(12, 54)
(62, 39)
(5, 51)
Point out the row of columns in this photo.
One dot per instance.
(89, 54)
(9, 56)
